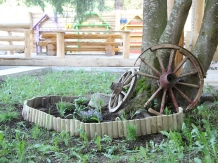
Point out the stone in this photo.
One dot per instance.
(97, 98)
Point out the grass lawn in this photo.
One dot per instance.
(22, 141)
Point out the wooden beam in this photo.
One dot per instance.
(45, 43)
(70, 60)
(11, 38)
(11, 30)
(199, 13)
(170, 4)
(15, 25)
(60, 45)
(27, 43)
(89, 49)
(126, 44)
(10, 42)
(81, 36)
(11, 47)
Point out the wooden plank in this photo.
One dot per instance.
(12, 47)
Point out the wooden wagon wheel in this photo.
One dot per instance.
(122, 90)
(172, 87)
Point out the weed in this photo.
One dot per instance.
(131, 133)
(98, 142)
(167, 111)
(84, 137)
(7, 116)
(65, 137)
(35, 132)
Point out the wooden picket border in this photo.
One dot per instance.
(114, 129)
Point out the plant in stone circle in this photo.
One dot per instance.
(63, 107)
(91, 115)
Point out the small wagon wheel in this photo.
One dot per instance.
(122, 90)
(174, 88)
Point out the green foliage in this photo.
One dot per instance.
(98, 142)
(35, 132)
(167, 111)
(141, 86)
(84, 136)
(131, 133)
(7, 116)
(64, 107)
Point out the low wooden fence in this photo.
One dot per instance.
(60, 41)
(24, 29)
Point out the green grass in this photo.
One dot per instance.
(21, 141)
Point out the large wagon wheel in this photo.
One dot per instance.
(172, 87)
(122, 90)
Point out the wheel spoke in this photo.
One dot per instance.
(147, 75)
(163, 100)
(115, 102)
(160, 62)
(188, 85)
(124, 93)
(153, 96)
(183, 95)
(172, 53)
(190, 73)
(127, 85)
(154, 69)
(174, 100)
(120, 98)
(122, 78)
(180, 64)
(128, 80)
(126, 77)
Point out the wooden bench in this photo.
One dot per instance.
(59, 43)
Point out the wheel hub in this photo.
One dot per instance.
(168, 80)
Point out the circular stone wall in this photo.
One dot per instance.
(114, 129)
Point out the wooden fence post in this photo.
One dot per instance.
(27, 43)
(60, 45)
(126, 44)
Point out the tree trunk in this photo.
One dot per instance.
(118, 5)
(155, 13)
(154, 23)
